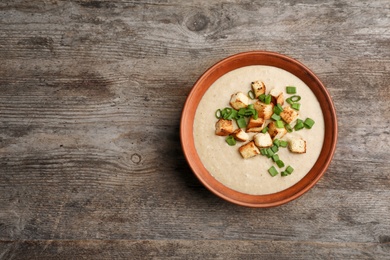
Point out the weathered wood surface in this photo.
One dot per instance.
(91, 94)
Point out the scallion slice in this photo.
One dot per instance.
(267, 99)
(288, 128)
(278, 109)
(277, 142)
(295, 98)
(275, 157)
(289, 169)
(280, 163)
(296, 106)
(218, 114)
(309, 123)
(274, 149)
(262, 97)
(255, 115)
(284, 174)
(263, 151)
(251, 95)
(270, 152)
(288, 100)
(272, 171)
(265, 129)
(242, 111)
(298, 126)
(283, 143)
(279, 124)
(275, 117)
(291, 90)
(230, 140)
(241, 122)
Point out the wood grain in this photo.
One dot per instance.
(91, 94)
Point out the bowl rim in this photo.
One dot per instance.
(258, 58)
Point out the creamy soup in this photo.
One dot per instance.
(251, 175)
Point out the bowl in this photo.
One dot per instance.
(247, 59)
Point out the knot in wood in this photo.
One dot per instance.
(197, 22)
(136, 158)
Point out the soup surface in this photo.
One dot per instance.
(251, 175)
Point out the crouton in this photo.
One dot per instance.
(239, 100)
(264, 111)
(297, 145)
(258, 88)
(255, 125)
(240, 135)
(276, 97)
(263, 140)
(249, 150)
(280, 99)
(274, 132)
(224, 127)
(289, 115)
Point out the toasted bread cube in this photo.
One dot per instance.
(276, 96)
(239, 100)
(297, 145)
(224, 127)
(255, 125)
(289, 115)
(264, 111)
(240, 135)
(249, 150)
(263, 140)
(258, 88)
(280, 99)
(274, 132)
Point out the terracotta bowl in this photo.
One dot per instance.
(270, 59)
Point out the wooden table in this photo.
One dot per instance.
(91, 94)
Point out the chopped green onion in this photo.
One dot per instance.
(277, 142)
(251, 95)
(288, 128)
(270, 152)
(274, 149)
(272, 171)
(309, 123)
(230, 140)
(250, 111)
(278, 109)
(250, 106)
(295, 98)
(265, 129)
(291, 90)
(267, 99)
(298, 126)
(218, 113)
(280, 163)
(279, 124)
(289, 169)
(288, 100)
(231, 115)
(263, 151)
(275, 157)
(283, 143)
(241, 122)
(242, 111)
(275, 117)
(296, 106)
(262, 97)
(226, 112)
(299, 121)
(256, 115)
(284, 174)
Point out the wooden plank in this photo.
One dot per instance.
(199, 249)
